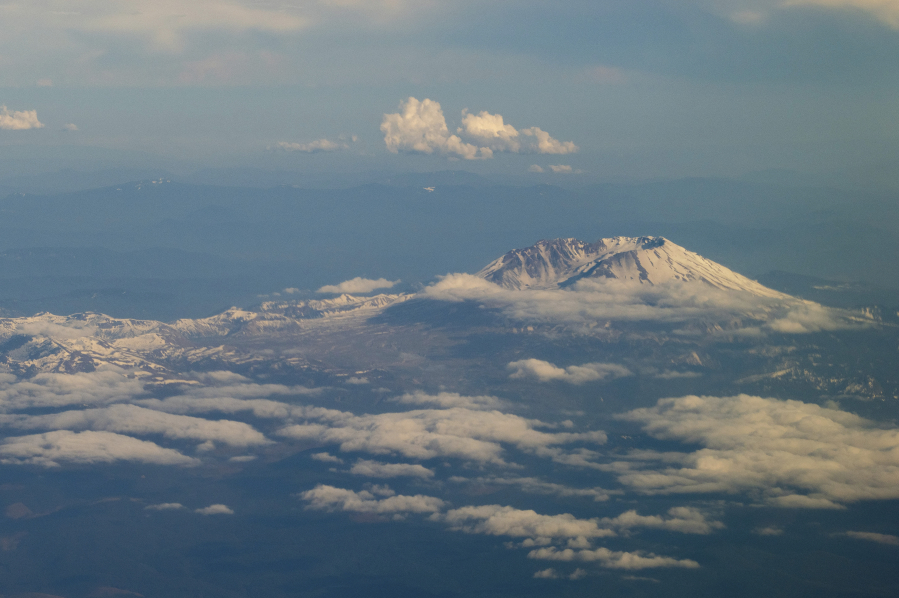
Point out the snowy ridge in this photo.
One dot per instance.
(557, 263)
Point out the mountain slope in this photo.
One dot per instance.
(559, 263)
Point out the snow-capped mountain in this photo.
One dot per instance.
(559, 263)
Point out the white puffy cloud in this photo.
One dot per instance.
(215, 510)
(313, 147)
(18, 120)
(131, 419)
(84, 448)
(536, 168)
(561, 168)
(358, 285)
(611, 559)
(421, 127)
(545, 371)
(329, 498)
(429, 433)
(545, 144)
(377, 469)
(686, 520)
(72, 127)
(497, 520)
(489, 130)
(451, 399)
(789, 453)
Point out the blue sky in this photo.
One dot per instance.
(642, 89)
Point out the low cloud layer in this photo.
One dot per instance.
(85, 448)
(592, 301)
(18, 120)
(545, 371)
(611, 559)
(329, 498)
(471, 435)
(358, 285)
(788, 453)
(421, 127)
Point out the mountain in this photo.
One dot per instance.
(559, 263)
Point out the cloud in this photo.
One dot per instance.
(164, 23)
(107, 384)
(214, 510)
(788, 453)
(85, 448)
(358, 285)
(686, 520)
(376, 469)
(537, 486)
(451, 399)
(497, 520)
(597, 300)
(886, 11)
(421, 127)
(423, 434)
(536, 168)
(71, 127)
(132, 419)
(561, 168)
(313, 147)
(329, 498)
(326, 458)
(546, 574)
(545, 371)
(611, 559)
(166, 506)
(18, 120)
(873, 537)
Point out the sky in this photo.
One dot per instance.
(602, 88)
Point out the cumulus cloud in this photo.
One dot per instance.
(131, 419)
(789, 453)
(545, 371)
(421, 127)
(561, 168)
(313, 147)
(686, 520)
(70, 127)
(215, 510)
(536, 168)
(611, 559)
(329, 498)
(18, 120)
(377, 469)
(85, 448)
(497, 520)
(423, 434)
(358, 285)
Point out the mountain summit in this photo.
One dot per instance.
(558, 263)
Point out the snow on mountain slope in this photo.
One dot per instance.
(558, 263)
